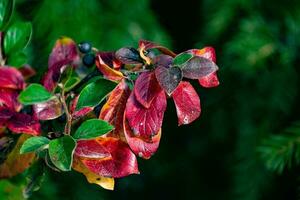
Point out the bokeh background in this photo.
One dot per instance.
(257, 44)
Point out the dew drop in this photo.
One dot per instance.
(186, 120)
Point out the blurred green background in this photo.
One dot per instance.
(257, 44)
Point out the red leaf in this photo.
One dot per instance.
(23, 123)
(210, 80)
(91, 149)
(146, 88)
(122, 161)
(11, 78)
(145, 45)
(187, 103)
(79, 113)
(206, 52)
(141, 147)
(108, 66)
(63, 53)
(48, 110)
(113, 110)
(5, 115)
(146, 122)
(9, 98)
(27, 71)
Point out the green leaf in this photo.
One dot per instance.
(6, 10)
(94, 93)
(17, 59)
(33, 144)
(34, 93)
(181, 59)
(35, 177)
(92, 128)
(71, 83)
(61, 152)
(17, 37)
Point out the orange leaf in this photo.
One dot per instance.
(105, 182)
(15, 162)
(113, 109)
(103, 63)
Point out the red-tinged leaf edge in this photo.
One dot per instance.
(141, 147)
(210, 80)
(187, 103)
(81, 112)
(146, 88)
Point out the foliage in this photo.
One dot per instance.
(137, 82)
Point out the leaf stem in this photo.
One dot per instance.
(68, 115)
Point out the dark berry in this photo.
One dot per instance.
(84, 47)
(88, 59)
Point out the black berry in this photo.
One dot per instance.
(88, 59)
(85, 47)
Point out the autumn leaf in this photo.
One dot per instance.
(206, 52)
(146, 88)
(81, 112)
(146, 122)
(48, 110)
(15, 162)
(198, 67)
(105, 182)
(114, 108)
(9, 98)
(121, 162)
(144, 148)
(11, 78)
(129, 55)
(106, 62)
(91, 149)
(168, 78)
(145, 45)
(187, 103)
(24, 123)
(63, 53)
(211, 80)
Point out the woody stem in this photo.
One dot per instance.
(68, 115)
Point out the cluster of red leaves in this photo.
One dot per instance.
(135, 107)
(137, 113)
(11, 83)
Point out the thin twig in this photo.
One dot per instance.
(68, 115)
